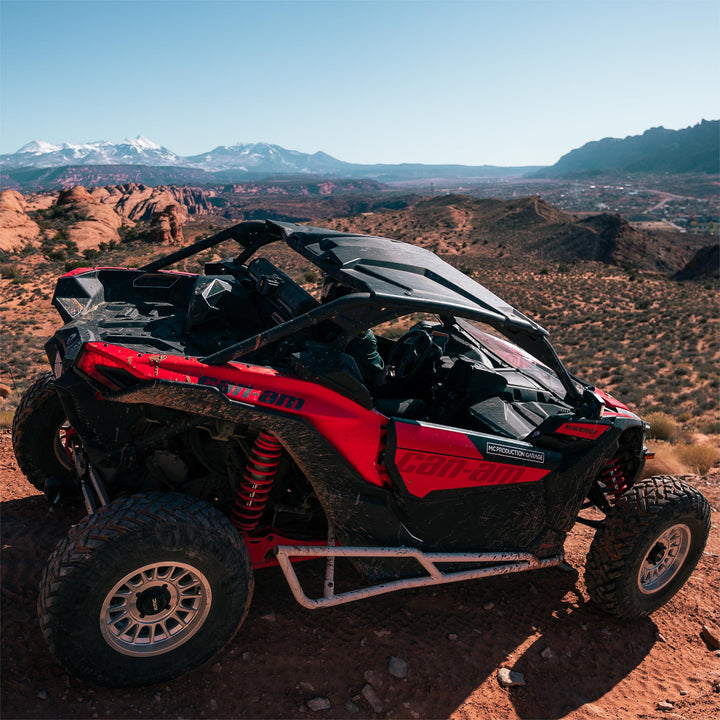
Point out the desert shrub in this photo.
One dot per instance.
(662, 426)
(699, 457)
(139, 232)
(9, 271)
(711, 427)
(73, 264)
(310, 276)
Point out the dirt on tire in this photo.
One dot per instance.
(285, 661)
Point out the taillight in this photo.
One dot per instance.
(104, 369)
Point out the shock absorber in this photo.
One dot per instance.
(256, 482)
(614, 480)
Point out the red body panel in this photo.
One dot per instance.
(435, 458)
(354, 431)
(613, 406)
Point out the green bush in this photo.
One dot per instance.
(310, 276)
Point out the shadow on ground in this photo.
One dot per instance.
(451, 637)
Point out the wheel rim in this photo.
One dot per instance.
(664, 559)
(155, 608)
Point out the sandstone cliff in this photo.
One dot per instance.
(91, 217)
(16, 227)
(99, 223)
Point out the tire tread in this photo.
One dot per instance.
(194, 519)
(612, 547)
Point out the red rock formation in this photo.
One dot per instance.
(16, 228)
(166, 225)
(98, 223)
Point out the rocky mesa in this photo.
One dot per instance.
(88, 218)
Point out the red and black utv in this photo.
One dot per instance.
(221, 423)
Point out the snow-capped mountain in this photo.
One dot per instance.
(264, 157)
(135, 151)
(225, 163)
(253, 158)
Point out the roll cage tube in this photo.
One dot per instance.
(355, 313)
(250, 235)
(352, 313)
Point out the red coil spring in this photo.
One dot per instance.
(614, 479)
(256, 483)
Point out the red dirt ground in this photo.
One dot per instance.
(453, 639)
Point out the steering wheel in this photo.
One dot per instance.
(411, 352)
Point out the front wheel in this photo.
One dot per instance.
(146, 589)
(647, 547)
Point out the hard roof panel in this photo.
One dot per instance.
(396, 270)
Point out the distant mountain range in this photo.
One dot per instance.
(42, 165)
(694, 149)
(48, 164)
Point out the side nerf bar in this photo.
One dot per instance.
(504, 563)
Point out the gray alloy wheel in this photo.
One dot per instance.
(664, 559)
(155, 608)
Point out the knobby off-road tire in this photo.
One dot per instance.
(37, 430)
(647, 547)
(146, 589)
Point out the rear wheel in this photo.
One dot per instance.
(39, 430)
(146, 589)
(647, 547)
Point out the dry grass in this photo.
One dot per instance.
(662, 426)
(683, 458)
(698, 457)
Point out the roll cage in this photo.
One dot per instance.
(390, 278)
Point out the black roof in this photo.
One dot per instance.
(400, 273)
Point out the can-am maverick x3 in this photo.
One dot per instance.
(220, 423)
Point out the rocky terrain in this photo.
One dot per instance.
(452, 223)
(605, 292)
(601, 287)
(16, 227)
(532, 231)
(90, 218)
(428, 653)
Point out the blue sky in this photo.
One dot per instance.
(502, 82)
